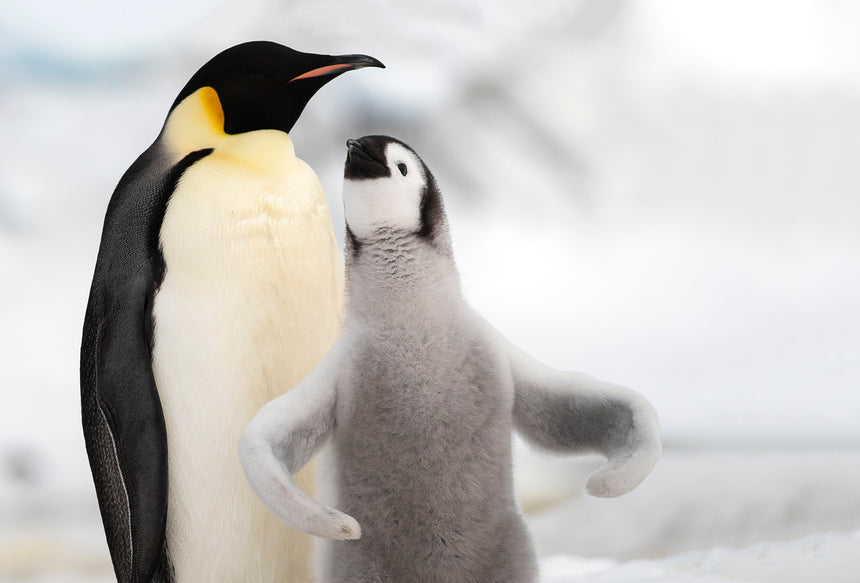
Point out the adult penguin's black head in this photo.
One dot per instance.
(265, 85)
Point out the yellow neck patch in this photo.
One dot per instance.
(196, 123)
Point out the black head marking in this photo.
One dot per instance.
(432, 211)
(365, 159)
(265, 85)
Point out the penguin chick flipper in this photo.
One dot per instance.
(282, 437)
(571, 412)
(124, 433)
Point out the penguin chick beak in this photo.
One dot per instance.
(341, 64)
(365, 159)
(355, 151)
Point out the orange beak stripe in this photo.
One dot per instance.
(322, 71)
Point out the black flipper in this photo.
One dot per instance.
(122, 418)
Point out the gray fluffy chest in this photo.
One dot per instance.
(424, 430)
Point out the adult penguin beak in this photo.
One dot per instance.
(340, 64)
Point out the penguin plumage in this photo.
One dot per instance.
(218, 283)
(419, 396)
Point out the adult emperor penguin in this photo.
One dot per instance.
(217, 285)
(420, 396)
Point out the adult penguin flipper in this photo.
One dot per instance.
(123, 423)
(124, 432)
(571, 412)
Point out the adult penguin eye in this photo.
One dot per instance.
(402, 168)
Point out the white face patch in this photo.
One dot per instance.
(389, 202)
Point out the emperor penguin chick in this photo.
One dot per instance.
(419, 395)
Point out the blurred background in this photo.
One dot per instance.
(662, 194)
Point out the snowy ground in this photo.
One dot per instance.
(699, 517)
(825, 558)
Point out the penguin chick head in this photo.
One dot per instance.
(389, 189)
(265, 85)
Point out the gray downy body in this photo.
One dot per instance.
(422, 442)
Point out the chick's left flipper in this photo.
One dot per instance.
(569, 412)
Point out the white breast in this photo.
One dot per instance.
(250, 302)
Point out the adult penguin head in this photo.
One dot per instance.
(265, 85)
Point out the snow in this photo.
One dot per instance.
(660, 194)
(830, 557)
(758, 516)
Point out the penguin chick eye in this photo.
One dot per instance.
(402, 167)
